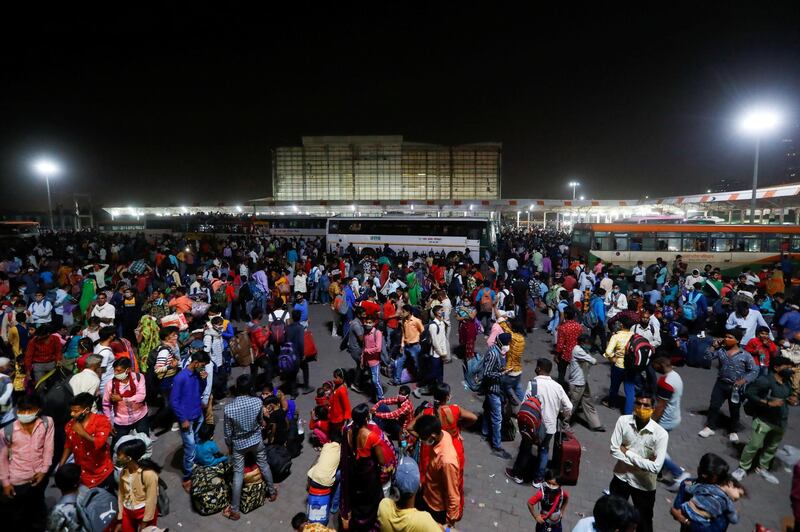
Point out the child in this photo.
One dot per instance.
(138, 487)
(340, 403)
(762, 348)
(207, 453)
(319, 422)
(552, 499)
(709, 498)
(64, 516)
(324, 392)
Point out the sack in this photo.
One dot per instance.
(253, 497)
(690, 308)
(200, 308)
(529, 419)
(309, 347)
(240, 349)
(209, 493)
(97, 510)
(486, 300)
(162, 499)
(259, 337)
(287, 361)
(638, 354)
(56, 394)
(473, 373)
(277, 329)
(175, 320)
(220, 298)
(340, 303)
(280, 462)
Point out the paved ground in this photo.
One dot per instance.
(492, 501)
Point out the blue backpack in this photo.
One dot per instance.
(690, 307)
(287, 361)
(473, 373)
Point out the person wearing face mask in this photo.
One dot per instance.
(214, 346)
(26, 452)
(494, 368)
(441, 495)
(616, 302)
(124, 400)
(769, 397)
(88, 380)
(371, 355)
(138, 489)
(639, 445)
(87, 441)
(186, 400)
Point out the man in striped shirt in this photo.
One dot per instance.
(494, 369)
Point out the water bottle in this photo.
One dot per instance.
(735, 395)
(300, 429)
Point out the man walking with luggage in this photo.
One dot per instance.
(187, 403)
(242, 426)
(640, 445)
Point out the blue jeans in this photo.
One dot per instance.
(398, 364)
(346, 321)
(620, 376)
(544, 451)
(238, 472)
(512, 387)
(435, 372)
(492, 407)
(376, 380)
(414, 350)
(189, 438)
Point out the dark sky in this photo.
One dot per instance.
(169, 106)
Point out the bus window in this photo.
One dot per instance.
(602, 241)
(795, 244)
(695, 242)
(722, 242)
(748, 243)
(776, 243)
(668, 241)
(620, 241)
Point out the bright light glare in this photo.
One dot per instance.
(238, 208)
(760, 121)
(583, 198)
(46, 167)
(574, 184)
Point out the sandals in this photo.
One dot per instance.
(187, 485)
(274, 495)
(230, 514)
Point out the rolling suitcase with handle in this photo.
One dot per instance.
(567, 457)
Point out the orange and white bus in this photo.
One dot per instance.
(729, 247)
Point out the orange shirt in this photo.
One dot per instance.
(412, 329)
(442, 479)
(182, 304)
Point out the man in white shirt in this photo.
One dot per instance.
(748, 319)
(649, 327)
(103, 349)
(40, 310)
(99, 274)
(616, 302)
(554, 402)
(512, 264)
(639, 274)
(640, 446)
(104, 310)
(88, 380)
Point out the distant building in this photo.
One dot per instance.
(728, 185)
(367, 168)
(791, 167)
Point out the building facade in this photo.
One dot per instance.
(363, 168)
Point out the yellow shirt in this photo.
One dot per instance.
(394, 519)
(13, 340)
(615, 351)
(412, 329)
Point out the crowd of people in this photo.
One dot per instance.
(109, 341)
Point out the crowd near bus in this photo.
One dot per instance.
(111, 340)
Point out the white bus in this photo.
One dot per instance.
(445, 236)
(16, 229)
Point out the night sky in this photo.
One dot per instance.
(168, 106)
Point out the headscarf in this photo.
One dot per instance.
(413, 289)
(87, 294)
(148, 326)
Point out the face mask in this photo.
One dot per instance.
(505, 349)
(644, 413)
(26, 418)
(123, 462)
(786, 374)
(367, 327)
(121, 376)
(615, 291)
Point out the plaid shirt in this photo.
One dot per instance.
(137, 267)
(243, 422)
(404, 412)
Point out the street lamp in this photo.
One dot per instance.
(574, 185)
(47, 168)
(757, 123)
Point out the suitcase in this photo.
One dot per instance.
(530, 318)
(567, 457)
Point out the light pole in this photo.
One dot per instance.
(574, 185)
(47, 168)
(757, 123)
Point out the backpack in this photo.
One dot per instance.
(486, 300)
(638, 354)
(456, 288)
(97, 510)
(239, 346)
(277, 330)
(259, 337)
(590, 320)
(56, 394)
(690, 307)
(425, 340)
(280, 462)
(287, 361)
(8, 432)
(209, 493)
(529, 417)
(253, 496)
(473, 372)
(341, 304)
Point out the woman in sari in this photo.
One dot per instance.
(453, 418)
(88, 292)
(361, 461)
(413, 289)
(775, 283)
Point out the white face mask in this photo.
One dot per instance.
(505, 349)
(26, 418)
(121, 376)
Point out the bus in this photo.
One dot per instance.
(446, 236)
(15, 229)
(199, 226)
(729, 247)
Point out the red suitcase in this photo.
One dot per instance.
(567, 457)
